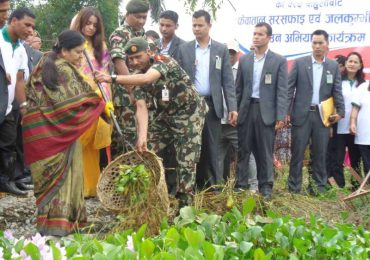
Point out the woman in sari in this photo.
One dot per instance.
(90, 24)
(61, 106)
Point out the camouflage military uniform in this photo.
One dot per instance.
(124, 105)
(178, 121)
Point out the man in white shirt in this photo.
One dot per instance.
(20, 24)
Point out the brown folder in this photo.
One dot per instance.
(326, 109)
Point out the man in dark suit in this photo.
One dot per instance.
(262, 94)
(8, 135)
(207, 63)
(313, 79)
(169, 44)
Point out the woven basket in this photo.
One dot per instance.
(157, 190)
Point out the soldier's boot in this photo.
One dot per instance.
(185, 199)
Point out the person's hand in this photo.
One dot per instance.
(102, 77)
(141, 144)
(287, 120)
(279, 124)
(8, 78)
(353, 129)
(23, 110)
(233, 118)
(334, 118)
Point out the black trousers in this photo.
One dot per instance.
(343, 141)
(365, 153)
(208, 171)
(8, 135)
(314, 130)
(257, 138)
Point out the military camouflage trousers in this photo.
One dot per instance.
(185, 135)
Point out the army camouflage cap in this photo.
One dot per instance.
(135, 45)
(137, 6)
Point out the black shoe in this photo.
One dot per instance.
(24, 186)
(11, 188)
(24, 179)
(239, 189)
(267, 196)
(294, 191)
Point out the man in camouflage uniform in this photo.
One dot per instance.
(179, 114)
(123, 98)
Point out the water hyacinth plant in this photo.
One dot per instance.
(199, 235)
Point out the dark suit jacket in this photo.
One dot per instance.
(300, 87)
(220, 79)
(174, 48)
(34, 56)
(273, 97)
(3, 90)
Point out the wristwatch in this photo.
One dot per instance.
(113, 77)
(23, 104)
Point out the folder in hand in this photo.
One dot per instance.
(326, 109)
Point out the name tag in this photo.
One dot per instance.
(165, 94)
(268, 79)
(218, 63)
(329, 78)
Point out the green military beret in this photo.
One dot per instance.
(137, 6)
(136, 45)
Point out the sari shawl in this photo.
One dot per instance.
(98, 136)
(51, 128)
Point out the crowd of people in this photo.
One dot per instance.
(196, 104)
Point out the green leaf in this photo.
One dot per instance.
(259, 254)
(115, 252)
(71, 250)
(172, 238)
(248, 206)
(187, 213)
(245, 247)
(33, 251)
(138, 237)
(192, 253)
(300, 245)
(19, 246)
(98, 256)
(194, 238)
(147, 248)
(238, 236)
(57, 255)
(209, 250)
(211, 219)
(164, 256)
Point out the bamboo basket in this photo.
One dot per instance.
(152, 210)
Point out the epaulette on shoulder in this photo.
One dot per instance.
(160, 58)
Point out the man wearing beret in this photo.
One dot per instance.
(179, 114)
(137, 11)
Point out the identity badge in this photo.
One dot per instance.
(268, 79)
(329, 78)
(218, 63)
(165, 94)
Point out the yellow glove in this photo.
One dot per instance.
(108, 107)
